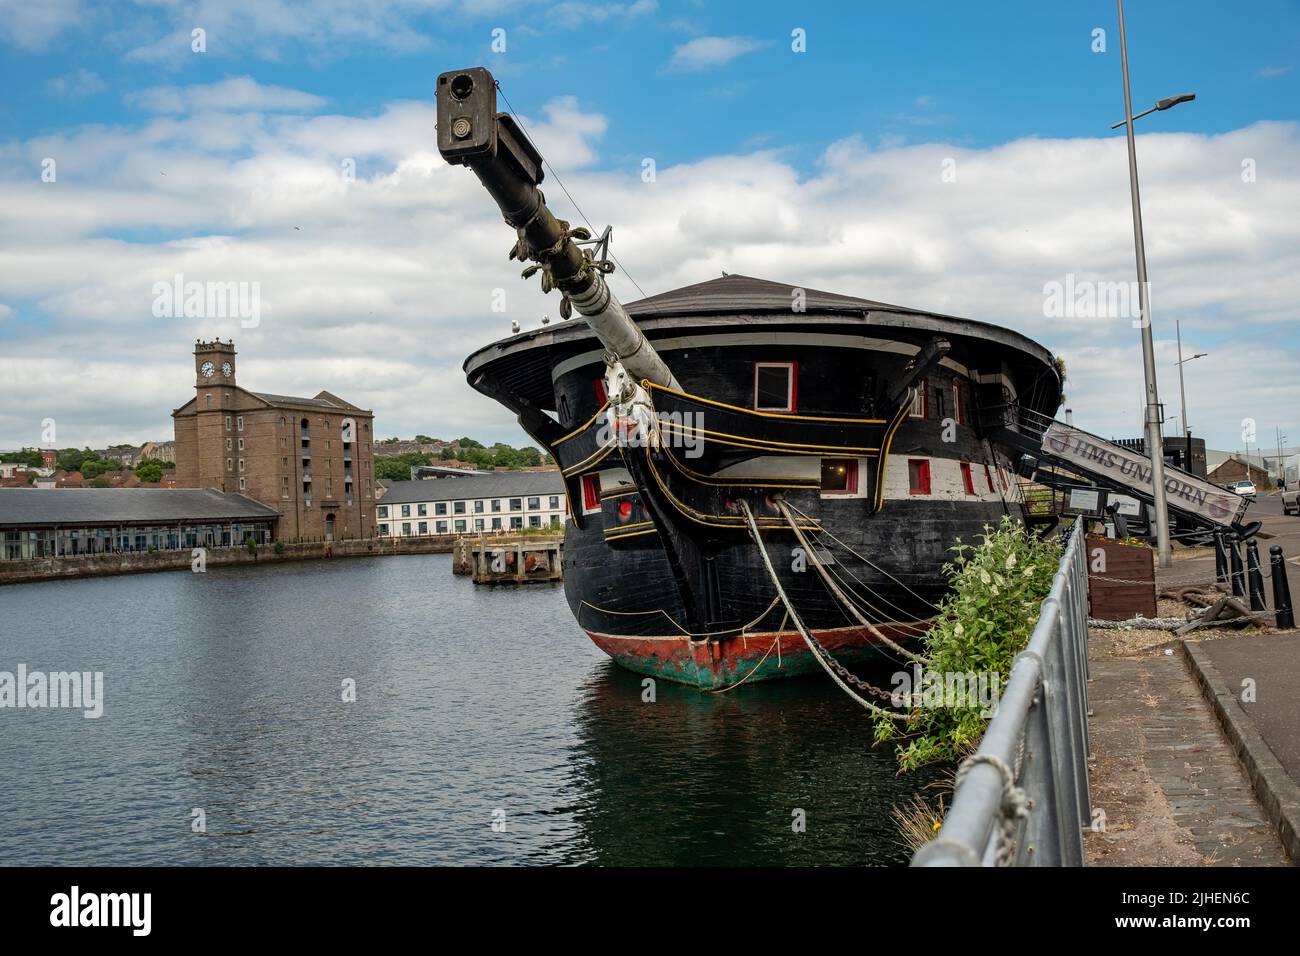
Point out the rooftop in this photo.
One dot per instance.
(101, 506)
(510, 484)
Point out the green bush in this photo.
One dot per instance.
(981, 625)
(279, 547)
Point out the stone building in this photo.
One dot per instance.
(311, 459)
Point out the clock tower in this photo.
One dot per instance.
(214, 363)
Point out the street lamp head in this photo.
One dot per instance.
(1171, 101)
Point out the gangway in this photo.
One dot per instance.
(1194, 502)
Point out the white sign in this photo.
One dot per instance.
(1183, 491)
(1083, 500)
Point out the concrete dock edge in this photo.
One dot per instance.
(1277, 792)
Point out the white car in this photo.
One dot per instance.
(1245, 488)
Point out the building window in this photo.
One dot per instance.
(460, 525)
(209, 398)
(496, 524)
(241, 483)
(284, 487)
(918, 476)
(422, 510)
(534, 504)
(775, 388)
(406, 528)
(241, 444)
(239, 423)
(424, 527)
(383, 531)
(227, 423)
(478, 507)
(383, 511)
(516, 504)
(458, 507)
(441, 526)
(534, 521)
(329, 485)
(966, 479)
(440, 507)
(367, 487)
(839, 476)
(516, 524)
(406, 511)
(591, 493)
(918, 400)
(241, 464)
(555, 502)
(555, 521)
(230, 464)
(478, 524)
(496, 505)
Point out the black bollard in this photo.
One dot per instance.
(1256, 579)
(1220, 559)
(1281, 590)
(1238, 581)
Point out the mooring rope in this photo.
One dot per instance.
(839, 594)
(813, 646)
(1013, 806)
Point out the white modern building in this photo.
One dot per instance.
(472, 504)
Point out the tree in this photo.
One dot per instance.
(28, 456)
(149, 472)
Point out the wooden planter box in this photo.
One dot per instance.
(1127, 586)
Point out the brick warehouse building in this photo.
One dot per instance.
(311, 459)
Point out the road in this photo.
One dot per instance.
(1277, 529)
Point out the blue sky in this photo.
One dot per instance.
(692, 85)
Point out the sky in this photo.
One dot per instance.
(950, 157)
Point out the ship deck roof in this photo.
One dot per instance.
(522, 363)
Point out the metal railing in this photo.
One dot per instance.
(1023, 798)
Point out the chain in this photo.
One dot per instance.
(852, 678)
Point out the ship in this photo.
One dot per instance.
(764, 480)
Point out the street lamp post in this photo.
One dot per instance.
(1182, 392)
(1155, 445)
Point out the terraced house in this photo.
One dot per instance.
(470, 504)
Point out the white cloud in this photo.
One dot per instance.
(32, 24)
(233, 94)
(1272, 72)
(703, 53)
(572, 14)
(78, 83)
(386, 284)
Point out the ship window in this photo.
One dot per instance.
(601, 398)
(958, 407)
(591, 493)
(839, 475)
(918, 400)
(938, 406)
(988, 476)
(918, 476)
(774, 386)
(565, 418)
(966, 478)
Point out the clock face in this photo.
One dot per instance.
(226, 370)
(207, 370)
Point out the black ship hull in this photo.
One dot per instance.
(874, 452)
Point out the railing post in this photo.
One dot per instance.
(1256, 578)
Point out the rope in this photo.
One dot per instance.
(703, 634)
(871, 564)
(808, 639)
(753, 671)
(839, 594)
(1013, 806)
